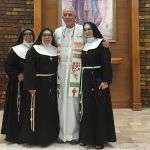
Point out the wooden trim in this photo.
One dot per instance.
(135, 54)
(37, 16)
(115, 60)
(121, 104)
(59, 13)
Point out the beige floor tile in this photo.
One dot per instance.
(132, 128)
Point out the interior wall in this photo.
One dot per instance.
(50, 13)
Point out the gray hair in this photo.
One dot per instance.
(70, 8)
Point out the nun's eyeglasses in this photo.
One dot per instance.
(87, 29)
(46, 34)
(27, 33)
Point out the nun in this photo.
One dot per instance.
(41, 123)
(97, 123)
(14, 103)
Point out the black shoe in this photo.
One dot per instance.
(12, 140)
(44, 145)
(82, 144)
(99, 146)
(73, 142)
(60, 141)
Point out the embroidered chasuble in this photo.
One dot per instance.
(70, 43)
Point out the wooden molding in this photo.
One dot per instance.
(120, 104)
(135, 54)
(116, 61)
(37, 16)
(136, 106)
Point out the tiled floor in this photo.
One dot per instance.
(132, 127)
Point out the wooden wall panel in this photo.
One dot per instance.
(37, 16)
(121, 87)
(49, 13)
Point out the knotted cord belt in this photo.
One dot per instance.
(81, 100)
(18, 101)
(32, 105)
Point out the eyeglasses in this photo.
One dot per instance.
(46, 34)
(27, 34)
(87, 29)
(67, 15)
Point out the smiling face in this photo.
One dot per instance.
(28, 36)
(69, 17)
(47, 37)
(88, 32)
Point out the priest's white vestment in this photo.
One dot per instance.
(68, 97)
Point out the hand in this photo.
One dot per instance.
(20, 77)
(58, 50)
(103, 85)
(59, 59)
(32, 92)
(106, 44)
